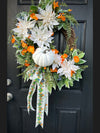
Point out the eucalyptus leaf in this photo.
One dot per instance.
(81, 55)
(81, 61)
(74, 53)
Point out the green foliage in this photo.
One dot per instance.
(49, 80)
(63, 4)
(67, 50)
(33, 9)
(71, 19)
(67, 83)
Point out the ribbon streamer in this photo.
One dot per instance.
(42, 95)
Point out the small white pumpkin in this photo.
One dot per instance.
(43, 57)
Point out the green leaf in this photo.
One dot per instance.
(84, 66)
(49, 89)
(65, 26)
(74, 53)
(34, 8)
(60, 84)
(60, 26)
(81, 61)
(78, 74)
(67, 83)
(67, 50)
(75, 78)
(81, 55)
(71, 82)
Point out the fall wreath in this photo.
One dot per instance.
(36, 53)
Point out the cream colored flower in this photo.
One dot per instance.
(23, 26)
(66, 68)
(48, 16)
(57, 61)
(41, 36)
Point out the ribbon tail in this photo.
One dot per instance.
(40, 104)
(32, 89)
(46, 100)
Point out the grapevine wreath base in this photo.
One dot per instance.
(43, 64)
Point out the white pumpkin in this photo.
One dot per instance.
(43, 57)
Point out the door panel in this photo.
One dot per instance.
(70, 110)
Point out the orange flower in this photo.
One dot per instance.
(55, 70)
(33, 16)
(26, 64)
(45, 68)
(61, 16)
(13, 39)
(64, 56)
(55, 51)
(55, 4)
(23, 51)
(24, 45)
(76, 59)
(69, 10)
(72, 72)
(31, 49)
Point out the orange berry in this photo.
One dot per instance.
(69, 10)
(45, 68)
(23, 51)
(71, 49)
(26, 61)
(76, 59)
(31, 49)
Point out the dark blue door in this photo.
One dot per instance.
(70, 110)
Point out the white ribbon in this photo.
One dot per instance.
(42, 96)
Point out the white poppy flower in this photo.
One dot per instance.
(23, 26)
(41, 36)
(48, 16)
(66, 68)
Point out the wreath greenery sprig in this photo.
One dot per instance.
(35, 52)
